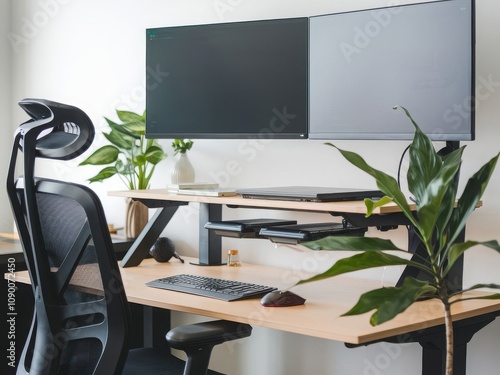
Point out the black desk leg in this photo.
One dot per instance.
(141, 246)
(210, 244)
(433, 342)
(434, 359)
(434, 345)
(156, 323)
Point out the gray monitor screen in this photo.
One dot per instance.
(418, 56)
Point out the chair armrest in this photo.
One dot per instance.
(206, 334)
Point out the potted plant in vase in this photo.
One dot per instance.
(438, 221)
(131, 157)
(183, 170)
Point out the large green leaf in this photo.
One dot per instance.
(479, 286)
(465, 297)
(387, 184)
(458, 249)
(104, 174)
(133, 122)
(128, 116)
(363, 261)
(120, 140)
(430, 179)
(122, 129)
(470, 197)
(424, 165)
(444, 216)
(482, 286)
(105, 155)
(351, 243)
(436, 202)
(136, 127)
(140, 160)
(154, 154)
(371, 204)
(389, 302)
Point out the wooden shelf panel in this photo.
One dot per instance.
(353, 207)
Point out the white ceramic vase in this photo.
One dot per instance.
(183, 170)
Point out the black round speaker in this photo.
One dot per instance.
(163, 250)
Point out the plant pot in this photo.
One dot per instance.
(183, 170)
(137, 217)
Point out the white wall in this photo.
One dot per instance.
(91, 54)
(6, 223)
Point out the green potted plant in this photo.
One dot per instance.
(181, 146)
(183, 170)
(131, 157)
(438, 221)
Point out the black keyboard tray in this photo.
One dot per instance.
(294, 234)
(249, 228)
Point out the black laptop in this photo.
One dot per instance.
(309, 193)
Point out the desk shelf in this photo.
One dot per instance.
(210, 243)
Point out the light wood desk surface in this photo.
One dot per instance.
(354, 207)
(10, 248)
(319, 317)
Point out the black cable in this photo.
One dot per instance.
(401, 163)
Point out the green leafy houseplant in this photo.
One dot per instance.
(438, 221)
(181, 146)
(130, 155)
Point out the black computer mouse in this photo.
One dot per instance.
(279, 298)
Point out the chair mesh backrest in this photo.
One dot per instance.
(80, 325)
(61, 220)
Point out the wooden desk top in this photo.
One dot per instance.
(353, 207)
(319, 317)
(10, 248)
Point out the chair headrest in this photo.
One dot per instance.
(59, 131)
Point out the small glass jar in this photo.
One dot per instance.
(233, 258)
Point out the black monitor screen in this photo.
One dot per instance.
(229, 80)
(419, 56)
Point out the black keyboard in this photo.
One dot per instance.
(227, 290)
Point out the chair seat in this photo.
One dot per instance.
(151, 361)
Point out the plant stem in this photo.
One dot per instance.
(449, 337)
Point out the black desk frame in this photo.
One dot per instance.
(210, 244)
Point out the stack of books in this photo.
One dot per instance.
(207, 189)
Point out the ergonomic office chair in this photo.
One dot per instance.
(82, 322)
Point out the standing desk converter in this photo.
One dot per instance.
(320, 316)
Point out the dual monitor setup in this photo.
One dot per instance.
(335, 76)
